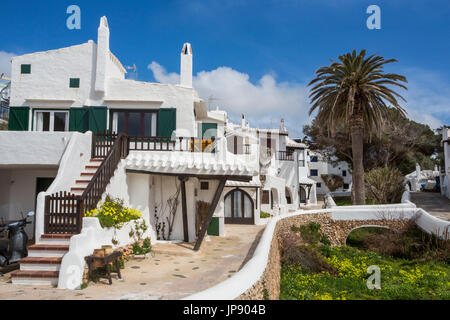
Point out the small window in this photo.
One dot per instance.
(265, 197)
(74, 83)
(25, 68)
(319, 185)
(344, 173)
(314, 159)
(204, 185)
(346, 186)
(314, 173)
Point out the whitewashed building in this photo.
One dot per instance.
(79, 130)
(320, 168)
(445, 172)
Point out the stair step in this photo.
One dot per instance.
(87, 173)
(77, 189)
(49, 247)
(57, 235)
(41, 260)
(97, 160)
(82, 181)
(40, 264)
(91, 167)
(35, 278)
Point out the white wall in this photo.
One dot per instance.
(18, 193)
(22, 148)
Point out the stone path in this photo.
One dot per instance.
(433, 203)
(168, 275)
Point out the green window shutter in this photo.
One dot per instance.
(25, 68)
(213, 229)
(167, 121)
(79, 119)
(74, 83)
(211, 128)
(97, 119)
(18, 118)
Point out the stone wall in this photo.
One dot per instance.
(337, 231)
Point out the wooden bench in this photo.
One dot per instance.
(106, 260)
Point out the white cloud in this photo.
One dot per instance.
(5, 62)
(263, 103)
(428, 97)
(266, 101)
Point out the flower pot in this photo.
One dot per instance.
(108, 249)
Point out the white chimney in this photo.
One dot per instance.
(186, 66)
(282, 125)
(102, 55)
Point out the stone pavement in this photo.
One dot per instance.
(433, 203)
(174, 272)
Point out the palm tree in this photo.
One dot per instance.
(353, 92)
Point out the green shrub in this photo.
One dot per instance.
(113, 213)
(384, 185)
(263, 214)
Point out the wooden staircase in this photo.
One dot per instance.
(64, 212)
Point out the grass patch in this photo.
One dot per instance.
(348, 201)
(400, 278)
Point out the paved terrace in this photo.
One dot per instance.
(174, 272)
(433, 203)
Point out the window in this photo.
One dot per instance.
(25, 68)
(314, 173)
(265, 197)
(204, 185)
(135, 123)
(344, 173)
(288, 196)
(346, 186)
(238, 207)
(314, 159)
(49, 120)
(319, 185)
(74, 83)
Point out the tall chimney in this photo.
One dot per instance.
(243, 121)
(102, 55)
(282, 125)
(186, 66)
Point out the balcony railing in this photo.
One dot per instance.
(186, 144)
(285, 156)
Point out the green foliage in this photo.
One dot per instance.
(401, 279)
(384, 185)
(140, 246)
(264, 214)
(311, 233)
(332, 181)
(348, 201)
(402, 143)
(113, 213)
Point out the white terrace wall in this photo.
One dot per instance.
(76, 156)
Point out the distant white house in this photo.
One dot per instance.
(445, 172)
(319, 168)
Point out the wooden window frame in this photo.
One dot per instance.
(238, 220)
(127, 113)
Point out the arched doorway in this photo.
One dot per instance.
(238, 207)
(302, 195)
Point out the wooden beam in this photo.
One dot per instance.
(184, 208)
(193, 175)
(208, 219)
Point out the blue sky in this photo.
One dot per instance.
(254, 57)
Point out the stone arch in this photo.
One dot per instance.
(368, 226)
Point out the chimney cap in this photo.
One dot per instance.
(186, 49)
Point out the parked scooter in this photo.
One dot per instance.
(13, 247)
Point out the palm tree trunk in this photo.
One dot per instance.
(357, 134)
